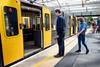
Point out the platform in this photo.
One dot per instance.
(71, 59)
(92, 59)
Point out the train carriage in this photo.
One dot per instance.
(23, 26)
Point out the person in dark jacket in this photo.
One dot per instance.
(81, 35)
(60, 28)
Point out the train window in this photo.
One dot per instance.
(38, 23)
(47, 22)
(11, 21)
(26, 23)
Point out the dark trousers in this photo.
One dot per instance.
(60, 41)
(81, 39)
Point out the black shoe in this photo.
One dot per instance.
(57, 56)
(87, 51)
(78, 51)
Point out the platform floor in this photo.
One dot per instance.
(92, 59)
(46, 58)
(71, 59)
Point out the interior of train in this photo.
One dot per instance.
(32, 34)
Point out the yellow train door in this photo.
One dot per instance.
(11, 34)
(46, 26)
(77, 24)
(71, 26)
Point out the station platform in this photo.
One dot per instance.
(81, 59)
(46, 57)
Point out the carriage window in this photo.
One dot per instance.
(26, 23)
(38, 23)
(11, 21)
(47, 22)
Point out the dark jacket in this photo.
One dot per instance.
(60, 25)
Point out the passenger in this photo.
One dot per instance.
(81, 35)
(98, 25)
(94, 26)
(60, 28)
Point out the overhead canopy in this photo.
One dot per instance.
(73, 6)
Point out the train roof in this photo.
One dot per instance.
(31, 4)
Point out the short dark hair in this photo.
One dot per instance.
(57, 11)
(81, 19)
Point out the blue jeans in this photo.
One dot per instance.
(81, 39)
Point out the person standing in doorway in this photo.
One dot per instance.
(60, 28)
(81, 35)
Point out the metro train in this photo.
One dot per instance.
(24, 29)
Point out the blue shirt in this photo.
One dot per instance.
(60, 25)
(82, 26)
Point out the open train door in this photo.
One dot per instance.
(46, 26)
(71, 26)
(11, 34)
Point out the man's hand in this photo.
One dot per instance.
(56, 37)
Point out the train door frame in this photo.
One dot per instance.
(72, 32)
(70, 24)
(1, 53)
(35, 11)
(77, 24)
(74, 22)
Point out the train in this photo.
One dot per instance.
(24, 29)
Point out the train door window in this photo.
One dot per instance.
(34, 24)
(31, 22)
(26, 23)
(37, 23)
(11, 21)
(47, 22)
